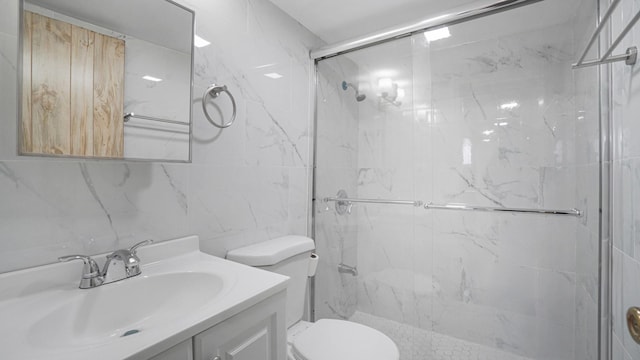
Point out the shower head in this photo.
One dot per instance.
(359, 97)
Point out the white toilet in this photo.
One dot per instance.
(325, 339)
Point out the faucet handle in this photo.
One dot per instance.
(91, 276)
(90, 265)
(135, 247)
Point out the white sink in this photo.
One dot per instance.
(180, 293)
(124, 308)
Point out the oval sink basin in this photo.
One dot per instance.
(124, 308)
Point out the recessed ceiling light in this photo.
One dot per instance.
(151, 78)
(273, 75)
(200, 42)
(437, 34)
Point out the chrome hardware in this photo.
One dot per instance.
(128, 260)
(633, 323)
(91, 276)
(473, 10)
(343, 206)
(346, 269)
(216, 358)
(629, 57)
(571, 212)
(130, 115)
(214, 91)
(135, 247)
(344, 203)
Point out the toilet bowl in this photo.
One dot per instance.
(326, 339)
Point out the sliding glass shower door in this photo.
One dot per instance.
(485, 114)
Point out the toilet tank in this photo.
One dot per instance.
(287, 255)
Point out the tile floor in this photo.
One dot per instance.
(420, 344)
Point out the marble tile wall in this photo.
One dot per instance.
(625, 84)
(246, 184)
(587, 119)
(520, 283)
(336, 168)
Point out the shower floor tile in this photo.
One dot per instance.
(420, 344)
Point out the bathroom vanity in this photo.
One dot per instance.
(185, 305)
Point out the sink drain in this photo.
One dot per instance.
(130, 332)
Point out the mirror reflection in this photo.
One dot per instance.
(103, 79)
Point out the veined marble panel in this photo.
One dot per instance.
(336, 169)
(8, 87)
(258, 169)
(86, 208)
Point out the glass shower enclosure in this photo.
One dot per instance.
(457, 187)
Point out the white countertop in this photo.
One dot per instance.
(31, 299)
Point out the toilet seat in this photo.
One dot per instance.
(329, 339)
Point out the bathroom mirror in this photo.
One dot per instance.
(106, 79)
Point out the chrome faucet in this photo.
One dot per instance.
(124, 259)
(91, 276)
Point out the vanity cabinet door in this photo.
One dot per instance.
(256, 333)
(182, 351)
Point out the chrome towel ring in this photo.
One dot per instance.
(214, 91)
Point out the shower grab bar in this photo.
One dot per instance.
(373, 201)
(463, 207)
(130, 115)
(629, 57)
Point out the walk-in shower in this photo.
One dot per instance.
(489, 122)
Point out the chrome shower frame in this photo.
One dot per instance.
(466, 13)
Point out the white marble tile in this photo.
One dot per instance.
(299, 200)
(555, 298)
(586, 326)
(103, 205)
(9, 18)
(587, 261)
(618, 313)
(587, 195)
(245, 198)
(273, 140)
(214, 146)
(88, 207)
(619, 352)
(555, 341)
(8, 102)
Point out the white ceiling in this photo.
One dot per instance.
(337, 20)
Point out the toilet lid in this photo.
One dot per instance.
(337, 339)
